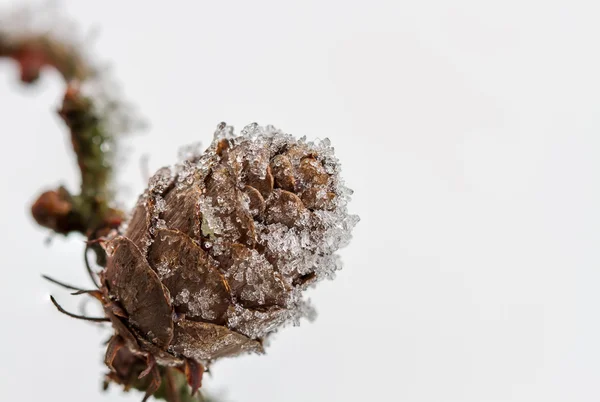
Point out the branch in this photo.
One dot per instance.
(90, 211)
(35, 52)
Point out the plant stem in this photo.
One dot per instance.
(90, 211)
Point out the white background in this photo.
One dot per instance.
(469, 131)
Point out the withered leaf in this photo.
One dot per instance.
(204, 341)
(137, 287)
(186, 271)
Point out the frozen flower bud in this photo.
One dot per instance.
(219, 248)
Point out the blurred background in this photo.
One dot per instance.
(469, 131)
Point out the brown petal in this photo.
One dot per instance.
(123, 331)
(262, 184)
(161, 356)
(283, 172)
(203, 341)
(311, 173)
(197, 288)
(253, 279)
(115, 343)
(223, 209)
(155, 380)
(161, 181)
(256, 324)
(257, 202)
(125, 366)
(284, 207)
(295, 153)
(193, 373)
(182, 211)
(305, 280)
(318, 198)
(137, 287)
(138, 230)
(252, 166)
(222, 146)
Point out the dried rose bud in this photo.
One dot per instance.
(219, 249)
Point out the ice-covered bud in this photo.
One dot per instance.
(219, 248)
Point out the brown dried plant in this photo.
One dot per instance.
(217, 252)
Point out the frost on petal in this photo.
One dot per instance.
(139, 227)
(203, 341)
(147, 303)
(161, 181)
(198, 289)
(253, 280)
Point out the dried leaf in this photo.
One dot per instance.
(138, 289)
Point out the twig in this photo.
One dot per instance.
(35, 52)
(90, 211)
